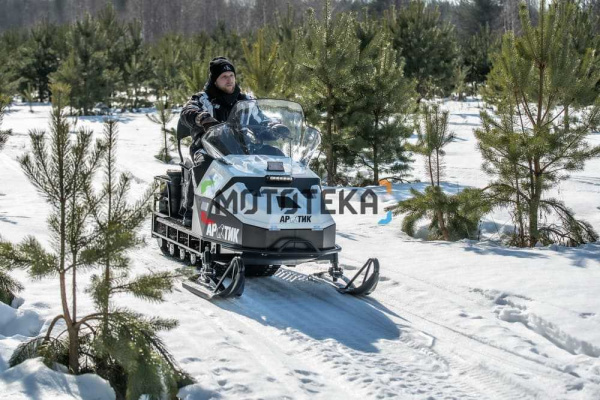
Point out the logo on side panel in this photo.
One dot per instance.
(223, 232)
(205, 185)
(295, 219)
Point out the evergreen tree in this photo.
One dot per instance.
(167, 61)
(117, 51)
(125, 345)
(87, 69)
(476, 56)
(10, 42)
(460, 81)
(475, 15)
(137, 72)
(61, 169)
(288, 35)
(27, 96)
(427, 45)
(8, 285)
(194, 78)
(329, 57)
(163, 116)
(452, 216)
(40, 57)
(4, 134)
(461, 212)
(116, 343)
(261, 65)
(137, 67)
(433, 136)
(539, 86)
(383, 100)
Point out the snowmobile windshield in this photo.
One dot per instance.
(267, 127)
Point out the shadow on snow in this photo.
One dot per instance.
(291, 300)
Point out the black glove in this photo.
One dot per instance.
(205, 120)
(274, 130)
(280, 131)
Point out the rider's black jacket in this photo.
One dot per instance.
(213, 101)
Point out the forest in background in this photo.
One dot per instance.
(366, 74)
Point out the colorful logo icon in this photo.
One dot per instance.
(205, 185)
(388, 188)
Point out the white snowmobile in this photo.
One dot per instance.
(257, 205)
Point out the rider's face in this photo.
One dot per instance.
(226, 82)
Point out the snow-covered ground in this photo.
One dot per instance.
(465, 320)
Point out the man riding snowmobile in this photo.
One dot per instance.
(257, 152)
(211, 107)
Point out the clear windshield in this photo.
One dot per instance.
(264, 127)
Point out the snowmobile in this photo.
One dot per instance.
(257, 205)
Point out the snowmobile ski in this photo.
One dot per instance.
(363, 283)
(231, 283)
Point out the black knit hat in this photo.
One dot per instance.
(217, 66)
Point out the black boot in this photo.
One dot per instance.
(187, 220)
(188, 202)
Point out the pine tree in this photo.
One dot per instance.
(94, 230)
(87, 69)
(261, 65)
(61, 169)
(475, 15)
(162, 117)
(539, 86)
(40, 57)
(433, 136)
(167, 61)
(137, 67)
(137, 73)
(8, 285)
(329, 56)
(427, 45)
(127, 58)
(10, 42)
(194, 79)
(288, 35)
(383, 100)
(143, 366)
(460, 81)
(460, 213)
(476, 56)
(4, 134)
(452, 216)
(27, 96)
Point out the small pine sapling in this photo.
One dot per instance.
(162, 117)
(4, 134)
(61, 168)
(452, 216)
(123, 345)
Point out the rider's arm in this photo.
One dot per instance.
(197, 112)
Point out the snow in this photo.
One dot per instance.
(464, 320)
(33, 380)
(18, 322)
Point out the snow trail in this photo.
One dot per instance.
(465, 320)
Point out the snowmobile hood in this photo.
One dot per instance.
(259, 165)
